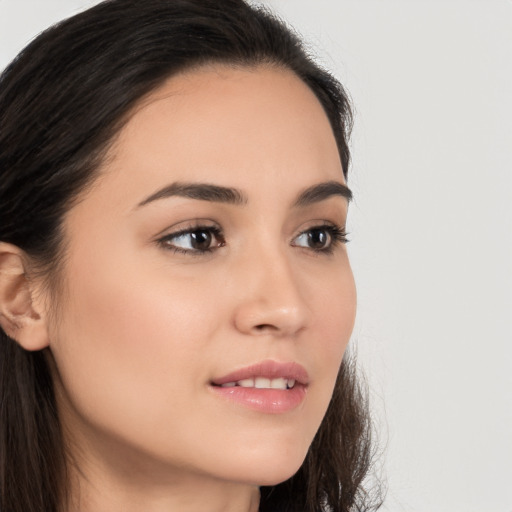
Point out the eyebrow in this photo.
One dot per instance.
(200, 191)
(228, 195)
(322, 191)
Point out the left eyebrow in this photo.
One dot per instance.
(199, 191)
(322, 191)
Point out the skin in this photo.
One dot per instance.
(142, 329)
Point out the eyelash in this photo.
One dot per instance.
(337, 235)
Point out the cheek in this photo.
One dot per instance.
(340, 308)
(128, 343)
(335, 304)
(335, 311)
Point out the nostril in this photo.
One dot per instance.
(265, 327)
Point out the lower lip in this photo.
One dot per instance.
(269, 401)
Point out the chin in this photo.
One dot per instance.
(272, 469)
(264, 453)
(275, 477)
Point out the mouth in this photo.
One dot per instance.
(260, 383)
(268, 387)
(267, 374)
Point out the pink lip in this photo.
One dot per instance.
(269, 401)
(268, 369)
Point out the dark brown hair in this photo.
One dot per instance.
(62, 102)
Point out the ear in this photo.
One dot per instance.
(20, 317)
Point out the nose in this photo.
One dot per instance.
(271, 300)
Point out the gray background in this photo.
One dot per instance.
(431, 228)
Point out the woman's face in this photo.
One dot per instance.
(210, 251)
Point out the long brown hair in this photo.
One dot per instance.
(62, 101)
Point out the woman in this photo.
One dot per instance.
(175, 293)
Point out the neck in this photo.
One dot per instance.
(103, 492)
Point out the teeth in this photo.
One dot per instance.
(262, 383)
(278, 383)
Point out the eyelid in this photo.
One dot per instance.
(186, 226)
(321, 223)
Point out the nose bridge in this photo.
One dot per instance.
(271, 299)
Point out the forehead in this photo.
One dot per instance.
(238, 127)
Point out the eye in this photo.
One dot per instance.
(196, 240)
(321, 238)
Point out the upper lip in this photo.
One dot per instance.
(268, 369)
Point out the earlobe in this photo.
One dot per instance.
(19, 317)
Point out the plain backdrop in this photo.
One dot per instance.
(431, 228)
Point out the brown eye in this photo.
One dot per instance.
(318, 238)
(194, 241)
(321, 238)
(201, 240)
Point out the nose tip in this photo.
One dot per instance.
(262, 317)
(272, 303)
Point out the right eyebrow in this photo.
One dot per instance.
(201, 191)
(322, 191)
